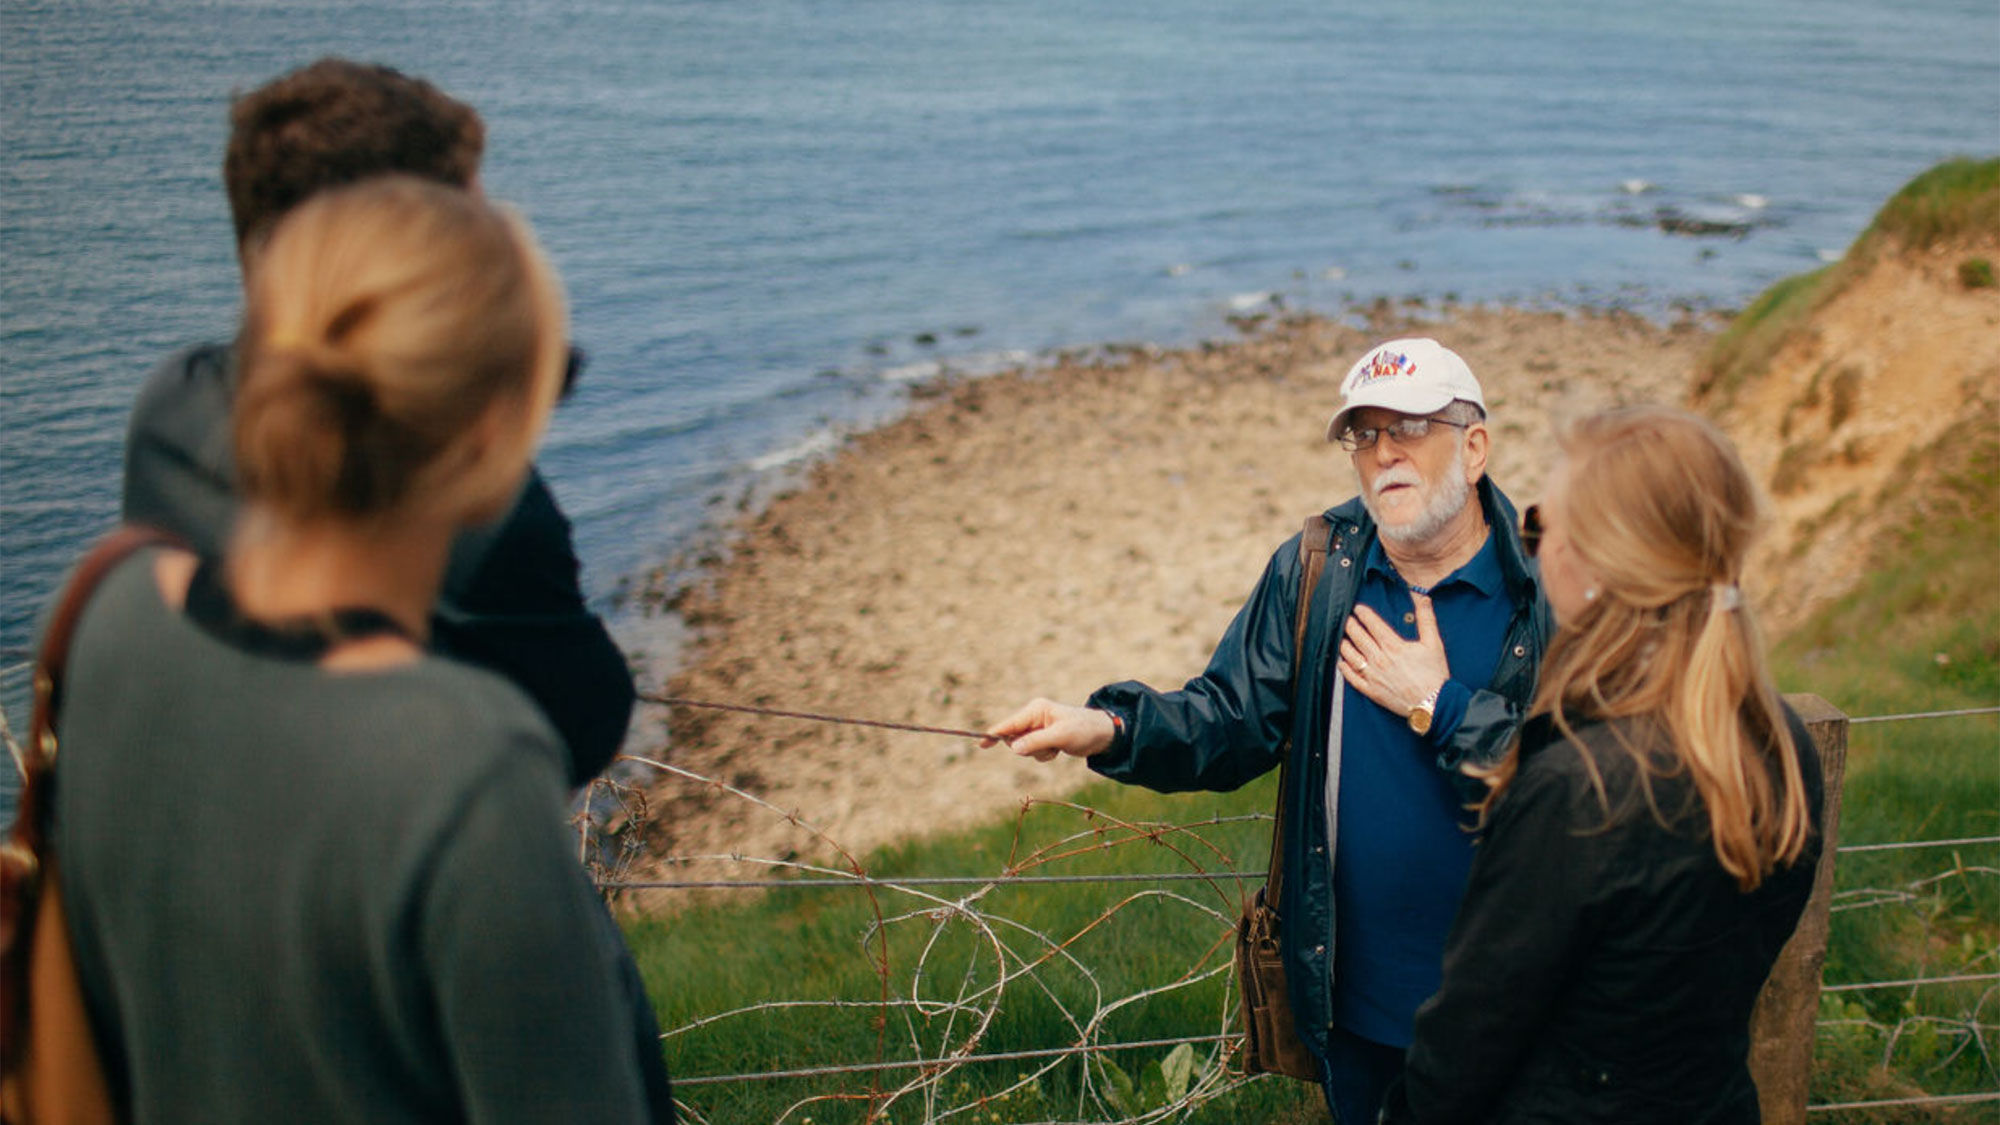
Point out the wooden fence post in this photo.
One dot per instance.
(1781, 1028)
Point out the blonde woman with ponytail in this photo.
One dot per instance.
(317, 872)
(1650, 840)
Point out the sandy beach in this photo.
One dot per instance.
(1043, 532)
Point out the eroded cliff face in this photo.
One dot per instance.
(1887, 388)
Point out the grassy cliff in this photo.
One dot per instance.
(1954, 206)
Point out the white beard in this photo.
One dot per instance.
(1448, 497)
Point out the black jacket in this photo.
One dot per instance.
(1229, 725)
(511, 600)
(1602, 969)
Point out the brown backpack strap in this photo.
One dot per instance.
(1314, 543)
(108, 553)
(39, 755)
(31, 908)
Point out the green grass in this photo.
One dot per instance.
(1922, 633)
(1946, 203)
(1956, 200)
(1077, 956)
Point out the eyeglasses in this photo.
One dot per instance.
(1531, 530)
(572, 369)
(1354, 439)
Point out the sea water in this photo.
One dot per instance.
(772, 215)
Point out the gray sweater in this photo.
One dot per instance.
(302, 895)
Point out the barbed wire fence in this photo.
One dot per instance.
(943, 1012)
(934, 1017)
(1206, 1072)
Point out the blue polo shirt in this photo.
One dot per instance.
(1402, 854)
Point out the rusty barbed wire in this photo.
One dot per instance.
(1015, 953)
(1846, 849)
(1913, 982)
(1891, 1103)
(967, 1003)
(1018, 952)
(811, 716)
(814, 716)
(1913, 715)
(944, 1002)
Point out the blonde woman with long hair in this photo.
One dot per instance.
(1650, 841)
(315, 871)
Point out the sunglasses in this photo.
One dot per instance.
(572, 369)
(1531, 530)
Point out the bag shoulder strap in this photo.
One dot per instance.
(1315, 541)
(40, 752)
(30, 898)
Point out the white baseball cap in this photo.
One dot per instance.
(1416, 375)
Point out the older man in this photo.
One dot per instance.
(1425, 631)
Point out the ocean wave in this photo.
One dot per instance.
(971, 363)
(913, 372)
(1244, 302)
(1632, 202)
(815, 444)
(990, 363)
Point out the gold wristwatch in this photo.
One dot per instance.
(1420, 715)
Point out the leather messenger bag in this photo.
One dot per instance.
(1271, 1043)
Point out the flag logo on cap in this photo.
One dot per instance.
(1386, 364)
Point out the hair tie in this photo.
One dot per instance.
(1728, 597)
